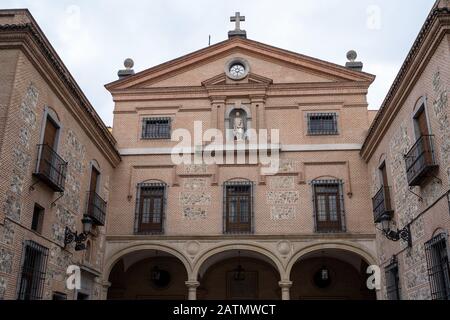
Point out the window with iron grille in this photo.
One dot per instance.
(32, 277)
(392, 281)
(328, 201)
(238, 207)
(150, 208)
(438, 267)
(322, 124)
(156, 128)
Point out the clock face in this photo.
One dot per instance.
(237, 70)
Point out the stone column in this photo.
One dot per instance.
(192, 289)
(285, 289)
(105, 285)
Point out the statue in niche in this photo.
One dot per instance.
(239, 127)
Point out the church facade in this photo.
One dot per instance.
(239, 171)
(203, 220)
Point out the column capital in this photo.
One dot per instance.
(285, 284)
(258, 98)
(218, 99)
(192, 284)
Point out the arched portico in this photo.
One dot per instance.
(330, 271)
(147, 271)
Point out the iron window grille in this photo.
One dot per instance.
(328, 204)
(420, 160)
(322, 124)
(96, 208)
(156, 128)
(392, 281)
(32, 275)
(151, 203)
(51, 168)
(438, 267)
(238, 207)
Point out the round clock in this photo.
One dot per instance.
(237, 69)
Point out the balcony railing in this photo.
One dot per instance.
(382, 209)
(420, 160)
(96, 208)
(51, 168)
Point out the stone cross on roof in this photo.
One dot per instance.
(237, 32)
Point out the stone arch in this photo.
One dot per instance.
(382, 159)
(421, 101)
(52, 112)
(439, 230)
(326, 177)
(349, 247)
(255, 248)
(114, 258)
(153, 181)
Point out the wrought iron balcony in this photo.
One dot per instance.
(51, 168)
(96, 208)
(420, 160)
(381, 203)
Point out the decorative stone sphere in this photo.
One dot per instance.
(192, 248)
(352, 55)
(284, 247)
(128, 63)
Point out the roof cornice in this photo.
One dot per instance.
(226, 46)
(435, 27)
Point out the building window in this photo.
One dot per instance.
(156, 128)
(238, 207)
(328, 203)
(392, 281)
(38, 218)
(322, 124)
(34, 265)
(438, 267)
(58, 296)
(150, 208)
(96, 206)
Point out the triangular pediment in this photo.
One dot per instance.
(222, 79)
(267, 65)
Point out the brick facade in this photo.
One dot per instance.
(285, 243)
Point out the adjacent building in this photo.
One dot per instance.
(408, 154)
(57, 160)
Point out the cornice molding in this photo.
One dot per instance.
(430, 36)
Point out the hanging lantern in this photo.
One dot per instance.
(155, 274)
(239, 272)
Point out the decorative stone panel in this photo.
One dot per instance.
(21, 154)
(287, 166)
(194, 199)
(283, 197)
(283, 212)
(6, 257)
(12, 206)
(3, 284)
(7, 233)
(196, 169)
(415, 256)
(282, 183)
(418, 275)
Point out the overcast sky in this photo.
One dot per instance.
(94, 37)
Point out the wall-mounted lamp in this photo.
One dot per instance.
(396, 235)
(80, 239)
